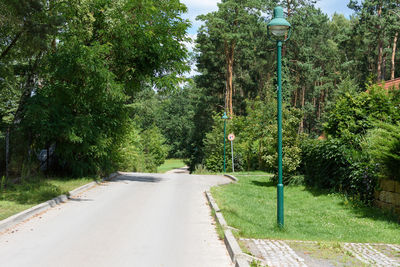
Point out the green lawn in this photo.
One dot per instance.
(250, 206)
(17, 198)
(170, 164)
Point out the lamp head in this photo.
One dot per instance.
(225, 117)
(279, 26)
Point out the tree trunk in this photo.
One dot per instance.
(380, 49)
(383, 74)
(13, 42)
(303, 94)
(229, 53)
(321, 104)
(393, 55)
(47, 158)
(7, 151)
(28, 89)
(379, 62)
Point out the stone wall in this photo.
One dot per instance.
(388, 197)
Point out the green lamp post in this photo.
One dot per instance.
(279, 29)
(224, 118)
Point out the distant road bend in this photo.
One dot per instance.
(135, 220)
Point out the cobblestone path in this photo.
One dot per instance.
(369, 255)
(276, 253)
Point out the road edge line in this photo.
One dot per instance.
(25, 214)
(236, 254)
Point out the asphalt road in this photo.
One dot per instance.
(135, 220)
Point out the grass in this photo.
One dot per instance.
(332, 253)
(219, 228)
(170, 164)
(250, 206)
(19, 197)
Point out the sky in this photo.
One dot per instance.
(197, 7)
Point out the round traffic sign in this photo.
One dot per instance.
(231, 137)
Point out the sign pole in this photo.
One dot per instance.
(231, 137)
(233, 164)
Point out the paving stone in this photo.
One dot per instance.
(277, 253)
(369, 255)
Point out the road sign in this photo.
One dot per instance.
(231, 137)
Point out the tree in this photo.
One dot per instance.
(354, 114)
(75, 65)
(376, 27)
(175, 120)
(225, 32)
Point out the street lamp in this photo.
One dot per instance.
(279, 29)
(224, 118)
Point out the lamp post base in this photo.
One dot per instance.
(280, 205)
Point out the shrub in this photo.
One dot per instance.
(214, 145)
(260, 135)
(331, 164)
(383, 146)
(142, 151)
(255, 145)
(354, 114)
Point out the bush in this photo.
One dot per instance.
(260, 137)
(331, 164)
(383, 146)
(141, 151)
(214, 145)
(255, 145)
(354, 114)
(81, 109)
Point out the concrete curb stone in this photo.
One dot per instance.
(232, 177)
(23, 215)
(236, 254)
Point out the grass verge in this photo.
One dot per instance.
(170, 164)
(250, 206)
(19, 197)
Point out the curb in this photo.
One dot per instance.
(232, 177)
(236, 254)
(25, 214)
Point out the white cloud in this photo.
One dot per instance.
(201, 4)
(190, 45)
(339, 6)
(198, 7)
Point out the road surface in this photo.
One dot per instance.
(135, 220)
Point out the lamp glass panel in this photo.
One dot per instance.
(278, 30)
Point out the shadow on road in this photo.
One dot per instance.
(145, 179)
(79, 199)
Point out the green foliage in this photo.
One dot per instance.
(130, 157)
(256, 142)
(333, 165)
(69, 71)
(154, 148)
(259, 138)
(81, 110)
(354, 114)
(214, 146)
(383, 145)
(142, 151)
(147, 41)
(3, 183)
(175, 120)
